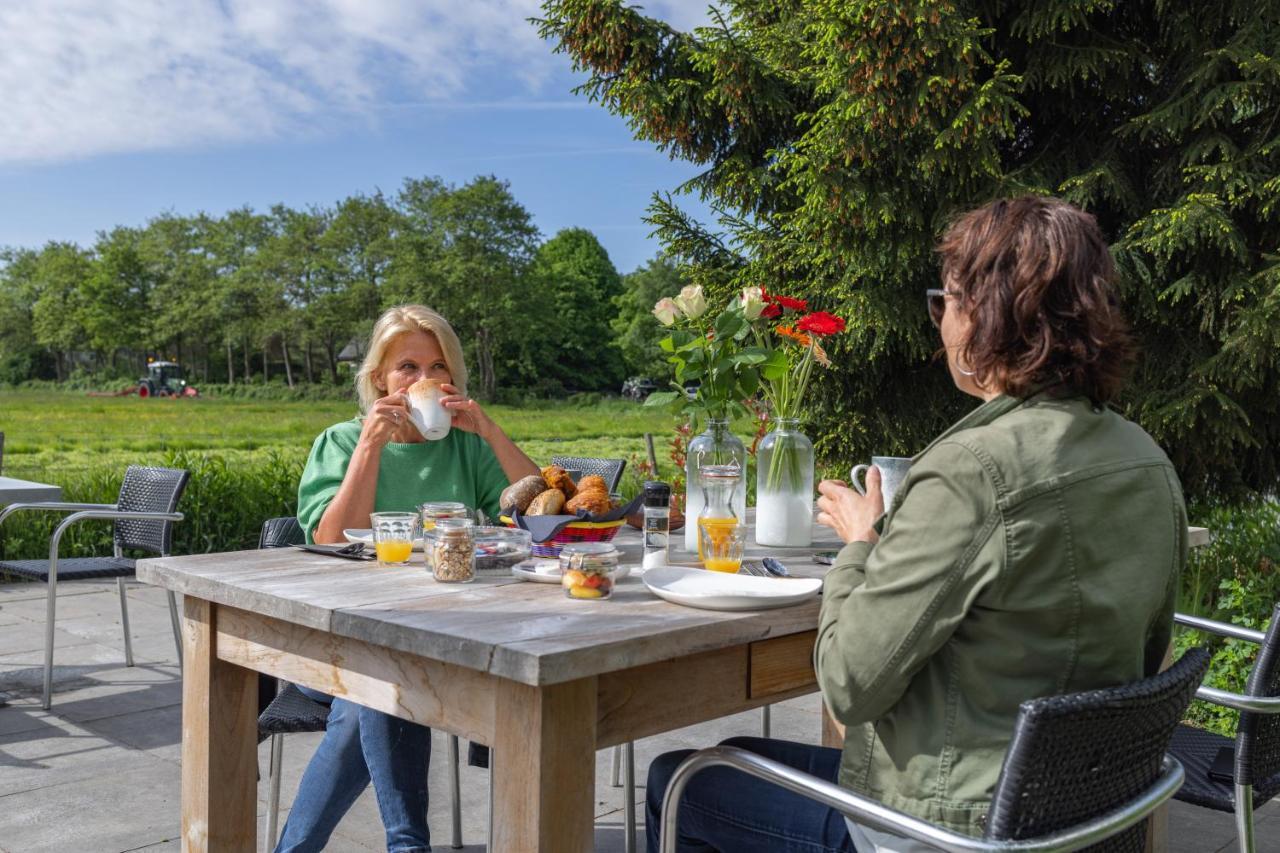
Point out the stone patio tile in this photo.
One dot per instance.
(25, 636)
(120, 808)
(64, 752)
(72, 664)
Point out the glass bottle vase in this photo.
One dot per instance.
(784, 486)
(715, 446)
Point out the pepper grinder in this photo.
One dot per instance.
(657, 523)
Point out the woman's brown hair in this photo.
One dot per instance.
(1036, 280)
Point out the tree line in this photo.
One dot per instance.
(252, 296)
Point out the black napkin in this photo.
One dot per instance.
(543, 527)
(333, 551)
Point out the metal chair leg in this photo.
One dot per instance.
(629, 801)
(766, 720)
(49, 612)
(177, 626)
(124, 622)
(1244, 818)
(455, 792)
(273, 797)
(616, 768)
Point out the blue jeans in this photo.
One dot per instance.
(360, 745)
(725, 809)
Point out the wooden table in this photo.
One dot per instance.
(14, 491)
(544, 679)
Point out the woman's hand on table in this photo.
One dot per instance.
(387, 420)
(467, 413)
(848, 513)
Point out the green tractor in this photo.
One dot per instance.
(165, 379)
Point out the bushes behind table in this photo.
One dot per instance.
(1235, 580)
(223, 506)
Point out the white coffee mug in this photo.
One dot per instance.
(893, 470)
(431, 418)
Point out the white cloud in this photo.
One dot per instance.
(85, 77)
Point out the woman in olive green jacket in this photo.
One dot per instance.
(1033, 549)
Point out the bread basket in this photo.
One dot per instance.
(574, 531)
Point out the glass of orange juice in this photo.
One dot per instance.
(393, 535)
(721, 545)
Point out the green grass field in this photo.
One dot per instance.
(51, 436)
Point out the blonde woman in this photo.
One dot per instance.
(374, 463)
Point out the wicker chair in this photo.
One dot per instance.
(143, 513)
(1256, 745)
(293, 711)
(610, 469)
(1082, 770)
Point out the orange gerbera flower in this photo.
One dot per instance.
(799, 337)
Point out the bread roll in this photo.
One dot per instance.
(550, 502)
(521, 493)
(594, 501)
(556, 478)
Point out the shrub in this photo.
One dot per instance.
(224, 506)
(1234, 579)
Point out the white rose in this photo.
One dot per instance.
(666, 311)
(691, 301)
(752, 302)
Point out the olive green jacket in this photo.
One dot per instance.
(1033, 549)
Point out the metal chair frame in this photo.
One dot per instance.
(1030, 811)
(83, 512)
(1241, 702)
(869, 812)
(275, 534)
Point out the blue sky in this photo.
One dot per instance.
(116, 110)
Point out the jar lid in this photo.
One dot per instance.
(454, 526)
(589, 549)
(657, 493)
(443, 509)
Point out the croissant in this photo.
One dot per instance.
(556, 478)
(592, 482)
(594, 501)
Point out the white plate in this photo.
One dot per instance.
(365, 535)
(723, 591)
(548, 571)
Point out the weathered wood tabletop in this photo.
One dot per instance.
(14, 491)
(546, 680)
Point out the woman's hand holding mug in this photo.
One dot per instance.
(851, 514)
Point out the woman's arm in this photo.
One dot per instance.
(887, 608)
(468, 415)
(354, 500)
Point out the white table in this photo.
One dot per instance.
(15, 491)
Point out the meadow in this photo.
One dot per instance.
(245, 456)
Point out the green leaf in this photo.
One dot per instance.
(662, 398)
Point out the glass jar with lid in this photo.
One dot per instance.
(453, 551)
(433, 511)
(587, 569)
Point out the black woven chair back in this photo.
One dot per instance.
(1081, 755)
(1258, 737)
(281, 533)
(149, 490)
(610, 469)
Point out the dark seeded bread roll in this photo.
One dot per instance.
(521, 493)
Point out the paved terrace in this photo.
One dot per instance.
(100, 771)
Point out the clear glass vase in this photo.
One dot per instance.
(784, 486)
(715, 446)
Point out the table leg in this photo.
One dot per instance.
(219, 743)
(545, 788)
